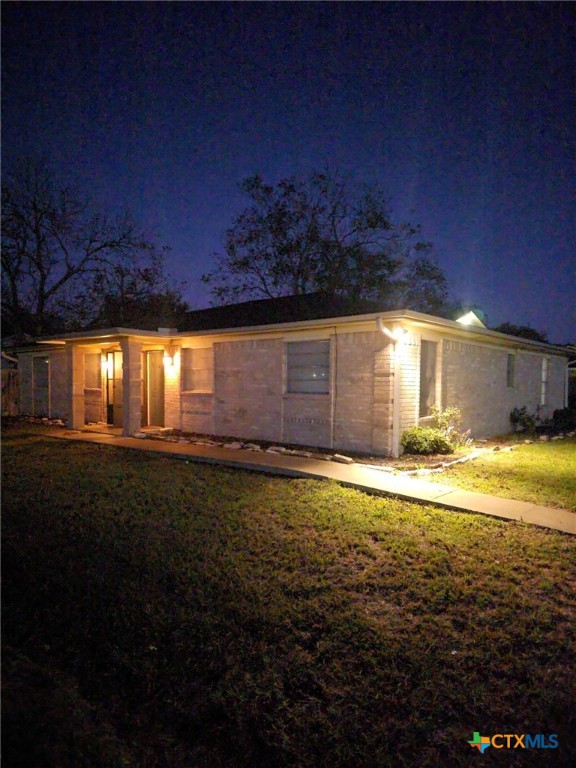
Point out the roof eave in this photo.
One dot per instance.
(406, 315)
(418, 318)
(104, 333)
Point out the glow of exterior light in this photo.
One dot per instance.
(110, 366)
(394, 335)
(171, 362)
(467, 319)
(471, 318)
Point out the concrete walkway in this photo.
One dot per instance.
(353, 475)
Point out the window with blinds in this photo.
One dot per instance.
(308, 367)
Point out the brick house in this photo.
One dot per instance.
(312, 370)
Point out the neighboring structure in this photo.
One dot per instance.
(312, 370)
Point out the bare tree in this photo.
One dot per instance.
(60, 258)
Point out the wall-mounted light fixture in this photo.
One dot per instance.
(394, 335)
(169, 355)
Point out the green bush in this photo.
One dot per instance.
(426, 440)
(522, 420)
(448, 421)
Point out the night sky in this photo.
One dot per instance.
(464, 113)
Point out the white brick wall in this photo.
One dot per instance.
(248, 388)
(409, 351)
(249, 398)
(474, 379)
(362, 412)
(197, 413)
(383, 393)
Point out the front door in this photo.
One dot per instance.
(114, 388)
(153, 395)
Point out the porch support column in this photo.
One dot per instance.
(75, 386)
(396, 397)
(131, 386)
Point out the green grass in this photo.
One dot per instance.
(158, 613)
(543, 473)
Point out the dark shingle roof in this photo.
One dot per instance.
(285, 309)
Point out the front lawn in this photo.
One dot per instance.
(543, 473)
(160, 614)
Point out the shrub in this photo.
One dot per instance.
(522, 420)
(448, 421)
(426, 440)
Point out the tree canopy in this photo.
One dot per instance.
(325, 233)
(523, 331)
(64, 264)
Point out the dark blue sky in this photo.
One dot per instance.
(464, 112)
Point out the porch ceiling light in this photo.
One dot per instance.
(394, 335)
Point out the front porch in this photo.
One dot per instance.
(121, 384)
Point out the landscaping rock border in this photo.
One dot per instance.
(173, 435)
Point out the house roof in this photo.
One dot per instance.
(313, 310)
(284, 309)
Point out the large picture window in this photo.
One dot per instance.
(198, 370)
(308, 367)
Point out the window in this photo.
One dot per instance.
(428, 351)
(308, 367)
(544, 387)
(92, 370)
(510, 370)
(198, 370)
